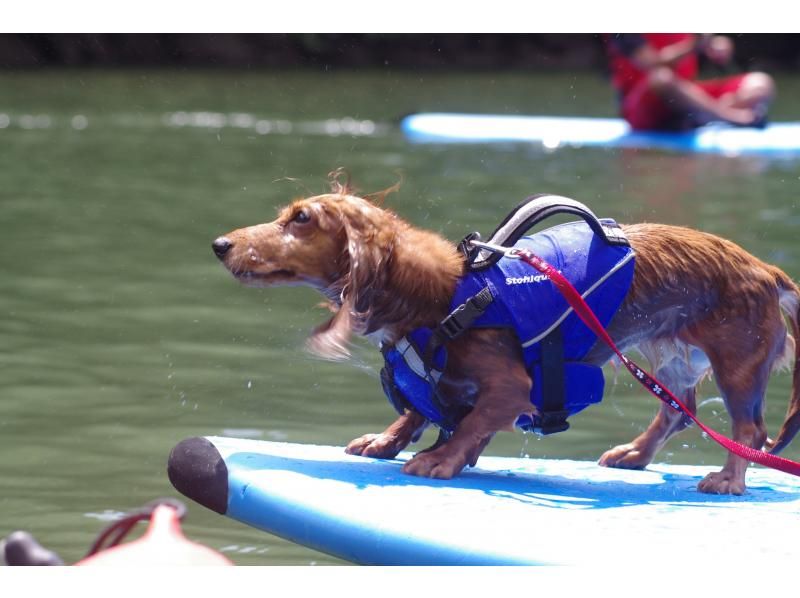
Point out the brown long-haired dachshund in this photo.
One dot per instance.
(697, 303)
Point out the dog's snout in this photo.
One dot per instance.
(221, 246)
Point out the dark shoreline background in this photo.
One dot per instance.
(535, 51)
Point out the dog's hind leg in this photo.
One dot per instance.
(679, 367)
(743, 349)
(745, 407)
(743, 386)
(638, 453)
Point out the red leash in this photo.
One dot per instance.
(662, 393)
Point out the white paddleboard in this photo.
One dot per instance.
(555, 131)
(506, 511)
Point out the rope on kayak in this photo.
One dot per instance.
(116, 532)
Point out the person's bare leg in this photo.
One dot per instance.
(755, 92)
(693, 98)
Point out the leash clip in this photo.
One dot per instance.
(509, 252)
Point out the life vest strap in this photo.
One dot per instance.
(456, 322)
(419, 362)
(553, 414)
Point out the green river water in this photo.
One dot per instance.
(121, 334)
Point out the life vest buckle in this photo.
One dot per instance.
(462, 317)
(551, 422)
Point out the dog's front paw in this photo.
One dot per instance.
(721, 482)
(624, 456)
(377, 446)
(437, 464)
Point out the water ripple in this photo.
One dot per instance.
(331, 127)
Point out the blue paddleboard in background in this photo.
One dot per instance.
(506, 511)
(554, 131)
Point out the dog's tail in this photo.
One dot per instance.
(790, 304)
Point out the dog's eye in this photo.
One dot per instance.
(301, 217)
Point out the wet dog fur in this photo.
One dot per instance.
(698, 304)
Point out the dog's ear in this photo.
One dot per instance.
(329, 340)
(368, 246)
(368, 250)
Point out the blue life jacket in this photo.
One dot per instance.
(515, 295)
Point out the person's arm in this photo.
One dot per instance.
(646, 57)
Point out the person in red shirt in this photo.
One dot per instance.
(656, 74)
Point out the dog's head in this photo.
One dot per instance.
(337, 243)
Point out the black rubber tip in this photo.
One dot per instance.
(198, 471)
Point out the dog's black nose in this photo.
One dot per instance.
(221, 246)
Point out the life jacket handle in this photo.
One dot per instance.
(528, 214)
